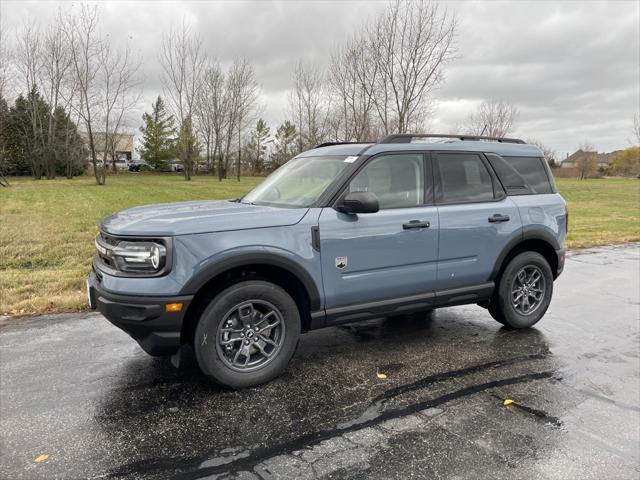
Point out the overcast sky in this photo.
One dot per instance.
(572, 68)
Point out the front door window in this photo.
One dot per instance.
(397, 180)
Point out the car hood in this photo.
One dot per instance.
(186, 218)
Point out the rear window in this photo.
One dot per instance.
(533, 171)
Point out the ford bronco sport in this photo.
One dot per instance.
(341, 233)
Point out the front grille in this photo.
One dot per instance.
(107, 261)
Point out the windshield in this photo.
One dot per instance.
(298, 183)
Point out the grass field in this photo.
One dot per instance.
(47, 227)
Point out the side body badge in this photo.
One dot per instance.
(341, 262)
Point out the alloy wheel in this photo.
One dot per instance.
(528, 290)
(250, 335)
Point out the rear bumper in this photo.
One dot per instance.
(143, 318)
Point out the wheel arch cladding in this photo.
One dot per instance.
(531, 244)
(278, 272)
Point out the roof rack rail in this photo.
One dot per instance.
(407, 137)
(329, 144)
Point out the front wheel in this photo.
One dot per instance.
(247, 334)
(524, 291)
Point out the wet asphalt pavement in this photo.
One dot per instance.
(78, 389)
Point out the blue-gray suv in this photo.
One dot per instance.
(341, 233)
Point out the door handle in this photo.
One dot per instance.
(415, 224)
(497, 218)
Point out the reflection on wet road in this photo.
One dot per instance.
(79, 390)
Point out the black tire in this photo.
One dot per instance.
(217, 337)
(502, 306)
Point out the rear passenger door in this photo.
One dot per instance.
(477, 219)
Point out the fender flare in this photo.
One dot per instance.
(529, 233)
(214, 268)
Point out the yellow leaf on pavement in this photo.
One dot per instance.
(381, 375)
(507, 402)
(42, 458)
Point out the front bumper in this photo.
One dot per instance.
(143, 318)
(560, 253)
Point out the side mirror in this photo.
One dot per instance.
(359, 202)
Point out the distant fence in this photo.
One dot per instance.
(566, 172)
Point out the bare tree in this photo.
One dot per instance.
(411, 42)
(4, 80)
(56, 64)
(104, 78)
(352, 77)
(5, 61)
(205, 112)
(587, 162)
(493, 118)
(227, 104)
(244, 91)
(310, 105)
(183, 60)
(213, 107)
(81, 32)
(28, 61)
(119, 95)
(636, 130)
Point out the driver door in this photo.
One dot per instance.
(384, 256)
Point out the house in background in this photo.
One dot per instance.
(122, 144)
(603, 159)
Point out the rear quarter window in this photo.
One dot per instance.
(533, 171)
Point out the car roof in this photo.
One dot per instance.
(504, 149)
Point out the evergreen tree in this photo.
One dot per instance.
(158, 136)
(25, 146)
(188, 147)
(258, 147)
(26, 135)
(69, 149)
(285, 144)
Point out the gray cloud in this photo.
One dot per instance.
(572, 68)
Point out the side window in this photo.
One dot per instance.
(397, 180)
(509, 176)
(533, 171)
(463, 178)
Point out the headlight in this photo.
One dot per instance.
(140, 256)
(133, 256)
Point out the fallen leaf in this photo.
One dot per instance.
(507, 402)
(381, 375)
(42, 458)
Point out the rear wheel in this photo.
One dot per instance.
(524, 291)
(247, 334)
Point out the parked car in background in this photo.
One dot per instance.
(202, 167)
(120, 163)
(139, 166)
(341, 233)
